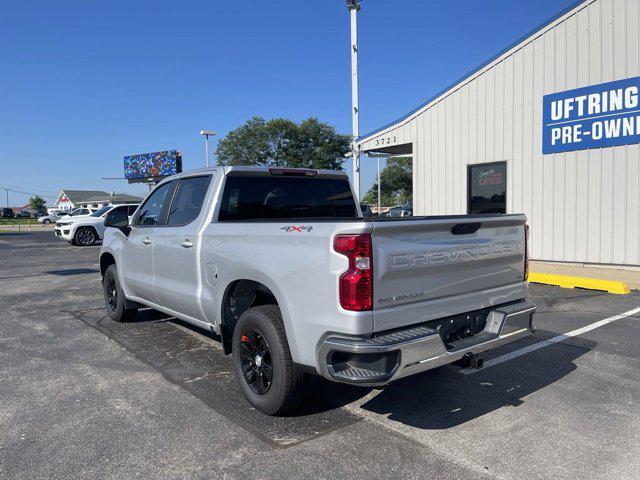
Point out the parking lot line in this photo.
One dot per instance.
(537, 346)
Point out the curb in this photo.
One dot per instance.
(566, 281)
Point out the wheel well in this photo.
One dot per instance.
(240, 296)
(106, 260)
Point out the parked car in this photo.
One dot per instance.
(23, 214)
(6, 213)
(51, 218)
(405, 210)
(86, 230)
(81, 211)
(282, 265)
(366, 210)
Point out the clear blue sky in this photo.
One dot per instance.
(84, 83)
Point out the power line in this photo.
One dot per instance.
(31, 193)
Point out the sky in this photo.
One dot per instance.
(85, 83)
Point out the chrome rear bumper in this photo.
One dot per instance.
(388, 356)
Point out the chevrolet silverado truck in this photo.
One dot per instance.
(283, 267)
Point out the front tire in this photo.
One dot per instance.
(262, 362)
(85, 237)
(46, 222)
(114, 297)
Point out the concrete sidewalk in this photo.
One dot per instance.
(630, 277)
(25, 228)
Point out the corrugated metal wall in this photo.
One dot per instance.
(582, 206)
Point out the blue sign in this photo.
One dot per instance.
(598, 116)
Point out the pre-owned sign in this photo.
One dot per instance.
(597, 116)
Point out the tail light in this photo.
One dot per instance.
(526, 252)
(356, 284)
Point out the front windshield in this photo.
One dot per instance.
(98, 213)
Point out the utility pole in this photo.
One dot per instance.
(206, 134)
(6, 190)
(354, 7)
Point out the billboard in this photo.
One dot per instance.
(597, 116)
(146, 167)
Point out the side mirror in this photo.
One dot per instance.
(116, 220)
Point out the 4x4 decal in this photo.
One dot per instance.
(294, 228)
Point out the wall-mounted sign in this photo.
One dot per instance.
(597, 116)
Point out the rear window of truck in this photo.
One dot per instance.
(276, 197)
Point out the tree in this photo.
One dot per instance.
(397, 185)
(283, 143)
(37, 202)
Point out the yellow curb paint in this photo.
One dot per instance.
(566, 281)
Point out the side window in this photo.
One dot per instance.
(131, 209)
(119, 209)
(151, 211)
(187, 201)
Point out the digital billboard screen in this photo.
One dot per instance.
(149, 166)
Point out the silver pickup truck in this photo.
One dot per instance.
(283, 267)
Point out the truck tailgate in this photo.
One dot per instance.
(434, 267)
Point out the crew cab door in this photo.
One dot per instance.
(175, 252)
(138, 271)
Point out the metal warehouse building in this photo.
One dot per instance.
(549, 127)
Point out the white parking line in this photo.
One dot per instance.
(537, 346)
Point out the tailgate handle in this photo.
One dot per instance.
(465, 228)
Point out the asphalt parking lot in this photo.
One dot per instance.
(83, 397)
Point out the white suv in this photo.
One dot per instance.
(88, 229)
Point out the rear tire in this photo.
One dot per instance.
(46, 222)
(114, 297)
(262, 362)
(85, 237)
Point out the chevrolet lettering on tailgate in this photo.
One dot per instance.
(455, 255)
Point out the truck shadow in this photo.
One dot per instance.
(438, 399)
(445, 398)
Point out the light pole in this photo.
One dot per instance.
(354, 7)
(206, 134)
(6, 190)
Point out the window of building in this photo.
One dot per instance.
(487, 188)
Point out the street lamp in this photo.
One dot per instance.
(206, 134)
(354, 6)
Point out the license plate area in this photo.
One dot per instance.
(458, 327)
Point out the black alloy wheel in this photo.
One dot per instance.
(256, 361)
(111, 293)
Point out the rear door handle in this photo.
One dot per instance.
(146, 241)
(186, 243)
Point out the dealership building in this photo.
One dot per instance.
(549, 127)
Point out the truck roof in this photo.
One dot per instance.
(251, 170)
